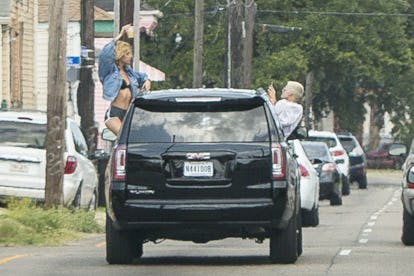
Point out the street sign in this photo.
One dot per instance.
(72, 61)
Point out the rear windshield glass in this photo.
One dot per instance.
(21, 134)
(241, 125)
(331, 142)
(348, 143)
(317, 152)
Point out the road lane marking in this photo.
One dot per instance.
(370, 224)
(101, 244)
(368, 230)
(345, 252)
(363, 240)
(11, 258)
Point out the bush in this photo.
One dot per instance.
(26, 223)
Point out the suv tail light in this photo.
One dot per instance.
(337, 152)
(119, 163)
(303, 171)
(71, 163)
(278, 163)
(328, 167)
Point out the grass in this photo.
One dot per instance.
(25, 223)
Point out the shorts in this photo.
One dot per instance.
(113, 112)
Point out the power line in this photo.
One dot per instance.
(334, 13)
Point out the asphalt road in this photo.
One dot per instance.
(361, 237)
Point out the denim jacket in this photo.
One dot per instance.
(110, 76)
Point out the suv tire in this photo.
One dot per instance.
(362, 182)
(408, 229)
(283, 243)
(310, 218)
(346, 189)
(120, 245)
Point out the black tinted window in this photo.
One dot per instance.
(240, 125)
(22, 134)
(348, 143)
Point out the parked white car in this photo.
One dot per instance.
(23, 160)
(309, 186)
(337, 151)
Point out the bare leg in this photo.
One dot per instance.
(114, 124)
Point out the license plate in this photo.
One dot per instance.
(198, 169)
(19, 167)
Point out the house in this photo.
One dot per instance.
(17, 52)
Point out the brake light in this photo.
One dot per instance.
(303, 171)
(71, 163)
(337, 152)
(119, 163)
(328, 167)
(278, 163)
(410, 178)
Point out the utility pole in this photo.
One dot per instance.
(308, 100)
(128, 11)
(239, 42)
(198, 44)
(56, 103)
(86, 89)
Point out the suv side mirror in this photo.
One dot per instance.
(300, 132)
(108, 135)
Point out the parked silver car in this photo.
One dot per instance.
(407, 198)
(309, 186)
(23, 160)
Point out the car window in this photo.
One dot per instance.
(330, 142)
(22, 134)
(78, 139)
(397, 149)
(240, 125)
(348, 143)
(317, 152)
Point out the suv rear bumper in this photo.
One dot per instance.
(141, 214)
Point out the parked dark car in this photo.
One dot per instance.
(200, 165)
(387, 156)
(407, 198)
(330, 180)
(357, 159)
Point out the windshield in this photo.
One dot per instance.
(203, 126)
(22, 134)
(330, 142)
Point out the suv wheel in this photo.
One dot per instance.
(346, 189)
(408, 228)
(362, 182)
(121, 247)
(310, 218)
(335, 200)
(283, 243)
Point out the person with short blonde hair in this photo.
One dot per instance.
(120, 82)
(288, 110)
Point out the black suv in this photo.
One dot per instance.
(200, 165)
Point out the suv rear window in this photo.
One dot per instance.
(348, 143)
(331, 142)
(212, 122)
(19, 134)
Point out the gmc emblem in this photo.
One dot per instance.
(198, 155)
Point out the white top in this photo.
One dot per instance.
(289, 114)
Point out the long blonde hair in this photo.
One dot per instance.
(121, 48)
